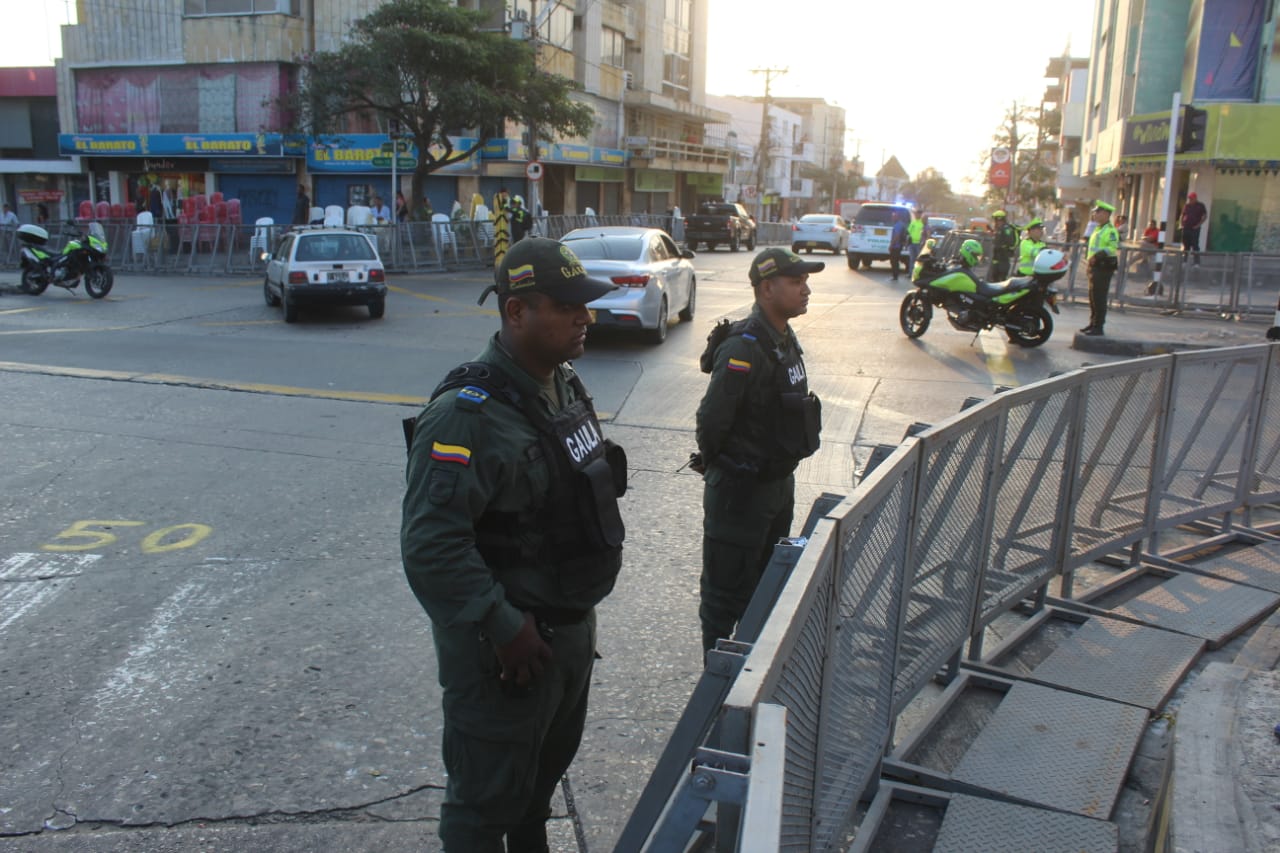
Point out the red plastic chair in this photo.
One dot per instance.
(86, 209)
(130, 210)
(117, 211)
(201, 202)
(206, 228)
(102, 210)
(220, 212)
(189, 207)
(233, 211)
(216, 198)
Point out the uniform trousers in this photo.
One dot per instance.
(1099, 292)
(505, 748)
(742, 521)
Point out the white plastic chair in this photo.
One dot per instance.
(359, 214)
(333, 216)
(140, 237)
(483, 225)
(258, 243)
(316, 216)
(442, 230)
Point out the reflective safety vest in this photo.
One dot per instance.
(1027, 255)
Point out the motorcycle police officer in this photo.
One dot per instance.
(755, 423)
(1103, 260)
(1031, 244)
(510, 536)
(1003, 247)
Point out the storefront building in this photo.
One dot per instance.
(35, 181)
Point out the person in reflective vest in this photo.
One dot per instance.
(1003, 247)
(1032, 243)
(1103, 259)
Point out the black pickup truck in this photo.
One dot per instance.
(720, 222)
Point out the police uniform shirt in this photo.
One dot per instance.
(737, 413)
(1027, 252)
(471, 454)
(1105, 240)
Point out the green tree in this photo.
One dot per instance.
(1030, 134)
(930, 191)
(427, 65)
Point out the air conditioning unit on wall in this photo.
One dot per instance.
(628, 80)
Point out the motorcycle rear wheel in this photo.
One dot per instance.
(32, 282)
(1037, 326)
(98, 280)
(915, 314)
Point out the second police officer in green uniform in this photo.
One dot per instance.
(1103, 260)
(1004, 246)
(755, 423)
(510, 536)
(1032, 243)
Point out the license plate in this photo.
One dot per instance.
(880, 232)
(338, 276)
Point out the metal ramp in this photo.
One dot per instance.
(974, 823)
(1213, 609)
(1257, 566)
(1053, 748)
(1121, 661)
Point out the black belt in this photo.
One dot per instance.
(558, 616)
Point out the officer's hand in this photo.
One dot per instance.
(523, 657)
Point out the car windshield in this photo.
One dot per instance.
(879, 215)
(607, 248)
(334, 247)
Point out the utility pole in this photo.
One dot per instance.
(535, 204)
(763, 147)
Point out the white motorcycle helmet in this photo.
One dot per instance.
(1050, 264)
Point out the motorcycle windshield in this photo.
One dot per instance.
(98, 244)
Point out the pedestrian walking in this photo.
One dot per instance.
(1194, 215)
(755, 423)
(1004, 247)
(510, 536)
(301, 207)
(1072, 226)
(1103, 259)
(897, 242)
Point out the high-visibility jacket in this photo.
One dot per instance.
(1027, 252)
(915, 230)
(1105, 239)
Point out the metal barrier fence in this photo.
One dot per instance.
(219, 249)
(960, 524)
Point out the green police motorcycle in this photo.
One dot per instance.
(973, 305)
(83, 257)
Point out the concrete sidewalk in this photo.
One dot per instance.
(1133, 332)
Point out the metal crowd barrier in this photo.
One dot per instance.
(962, 522)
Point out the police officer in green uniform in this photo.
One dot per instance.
(1031, 244)
(1103, 260)
(1004, 247)
(510, 536)
(756, 422)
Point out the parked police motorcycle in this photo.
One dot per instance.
(83, 257)
(973, 305)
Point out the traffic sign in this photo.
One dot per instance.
(401, 145)
(401, 162)
(533, 170)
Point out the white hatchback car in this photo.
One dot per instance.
(332, 266)
(653, 274)
(820, 231)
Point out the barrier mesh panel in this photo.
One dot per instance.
(799, 688)
(947, 550)
(1266, 485)
(858, 696)
(1212, 403)
(1122, 414)
(1027, 486)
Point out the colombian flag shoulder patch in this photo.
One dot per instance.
(739, 365)
(441, 452)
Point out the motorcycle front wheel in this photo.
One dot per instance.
(1035, 327)
(915, 314)
(98, 281)
(33, 282)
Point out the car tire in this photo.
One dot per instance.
(687, 314)
(866, 263)
(271, 299)
(377, 308)
(795, 247)
(751, 242)
(658, 334)
(290, 307)
(854, 260)
(711, 247)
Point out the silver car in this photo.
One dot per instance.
(325, 266)
(654, 276)
(820, 231)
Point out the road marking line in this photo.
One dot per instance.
(24, 310)
(213, 384)
(27, 580)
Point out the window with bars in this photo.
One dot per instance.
(202, 8)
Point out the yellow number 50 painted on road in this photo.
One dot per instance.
(152, 543)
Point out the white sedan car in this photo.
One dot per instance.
(820, 231)
(654, 276)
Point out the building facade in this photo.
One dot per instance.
(181, 93)
(1222, 59)
(35, 181)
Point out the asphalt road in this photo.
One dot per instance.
(206, 641)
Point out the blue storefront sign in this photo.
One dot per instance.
(371, 152)
(171, 144)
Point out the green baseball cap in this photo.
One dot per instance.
(1102, 205)
(779, 261)
(1035, 223)
(542, 265)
